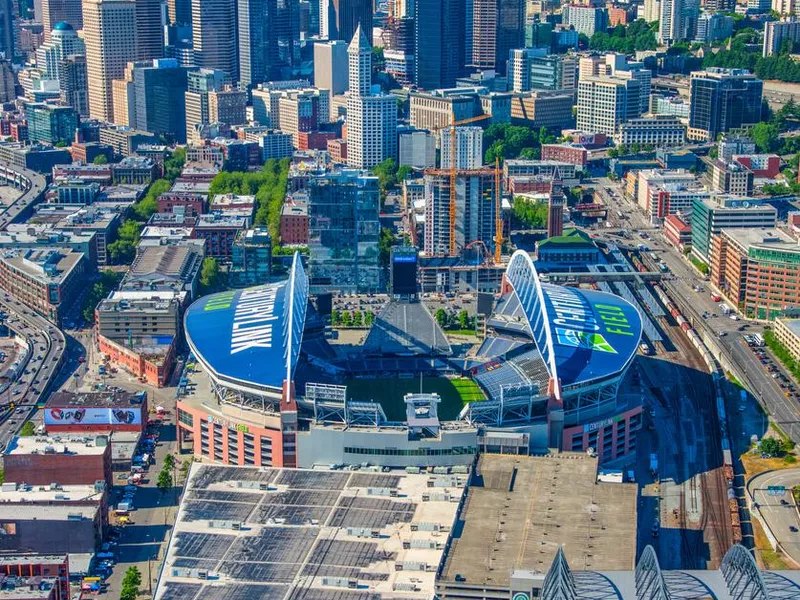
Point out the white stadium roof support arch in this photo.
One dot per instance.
(521, 274)
(296, 309)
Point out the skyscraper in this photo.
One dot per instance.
(330, 66)
(55, 11)
(8, 28)
(149, 30)
(721, 100)
(371, 117)
(180, 12)
(199, 84)
(269, 37)
(340, 18)
(159, 99)
(214, 35)
(110, 45)
(73, 83)
(439, 42)
(64, 42)
(469, 147)
(497, 27)
(678, 20)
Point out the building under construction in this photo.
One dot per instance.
(475, 197)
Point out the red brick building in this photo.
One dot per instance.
(314, 140)
(338, 150)
(67, 460)
(153, 362)
(569, 153)
(766, 166)
(677, 231)
(29, 565)
(194, 204)
(294, 222)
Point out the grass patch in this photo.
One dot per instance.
(455, 393)
(470, 332)
(732, 378)
(771, 559)
(699, 265)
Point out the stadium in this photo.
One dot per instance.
(265, 386)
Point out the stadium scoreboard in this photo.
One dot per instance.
(404, 271)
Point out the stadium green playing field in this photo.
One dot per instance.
(455, 393)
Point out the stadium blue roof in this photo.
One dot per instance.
(242, 336)
(581, 334)
(594, 334)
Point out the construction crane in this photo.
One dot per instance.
(498, 211)
(453, 174)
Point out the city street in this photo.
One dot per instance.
(777, 507)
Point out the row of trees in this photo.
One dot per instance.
(349, 318)
(268, 186)
(503, 140)
(635, 148)
(211, 278)
(454, 320)
(532, 215)
(626, 39)
(745, 53)
(100, 289)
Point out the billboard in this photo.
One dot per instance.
(92, 416)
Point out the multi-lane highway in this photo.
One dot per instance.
(47, 342)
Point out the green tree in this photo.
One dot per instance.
(463, 320)
(386, 173)
(164, 482)
(148, 205)
(369, 318)
(123, 249)
(358, 318)
(532, 215)
(441, 317)
(336, 317)
(403, 173)
(770, 446)
(28, 429)
(765, 136)
(100, 289)
(347, 318)
(169, 462)
(100, 159)
(173, 166)
(209, 275)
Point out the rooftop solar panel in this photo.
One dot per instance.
(260, 571)
(221, 496)
(348, 554)
(373, 519)
(180, 591)
(302, 498)
(290, 515)
(375, 503)
(274, 544)
(373, 480)
(313, 480)
(244, 592)
(201, 545)
(203, 510)
(208, 475)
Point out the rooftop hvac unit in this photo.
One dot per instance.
(202, 574)
(236, 525)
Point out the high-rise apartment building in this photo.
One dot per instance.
(777, 31)
(149, 29)
(530, 70)
(587, 20)
(303, 111)
(159, 103)
(721, 100)
(475, 210)
(343, 234)
(110, 44)
(214, 36)
(439, 43)
(711, 216)
(340, 18)
(497, 27)
(786, 7)
(469, 147)
(371, 116)
(228, 105)
(678, 20)
(330, 66)
(57, 11)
